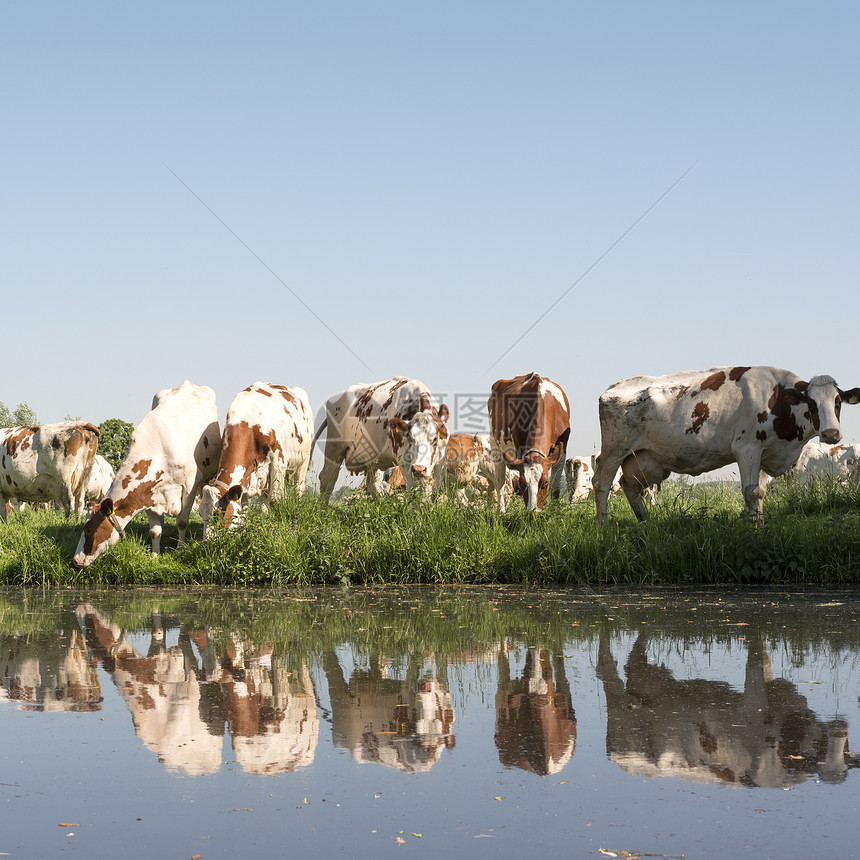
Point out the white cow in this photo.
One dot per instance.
(759, 417)
(835, 462)
(101, 477)
(47, 462)
(265, 446)
(578, 475)
(173, 451)
(388, 423)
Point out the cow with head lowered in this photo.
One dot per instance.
(173, 451)
(529, 429)
(693, 422)
(47, 462)
(266, 446)
(377, 426)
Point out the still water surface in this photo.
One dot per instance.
(426, 723)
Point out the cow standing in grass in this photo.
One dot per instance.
(758, 417)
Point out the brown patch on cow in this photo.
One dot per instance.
(784, 423)
(20, 439)
(761, 435)
(140, 498)
(244, 447)
(762, 416)
(682, 391)
(364, 404)
(55, 443)
(394, 388)
(205, 441)
(801, 385)
(699, 416)
(97, 530)
(713, 382)
(737, 372)
(138, 471)
(8, 480)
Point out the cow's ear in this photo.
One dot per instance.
(443, 412)
(106, 507)
(793, 396)
(396, 424)
(851, 396)
(234, 494)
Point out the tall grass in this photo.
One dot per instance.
(697, 534)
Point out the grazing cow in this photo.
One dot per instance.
(467, 467)
(266, 445)
(759, 417)
(834, 462)
(47, 462)
(173, 451)
(373, 427)
(529, 429)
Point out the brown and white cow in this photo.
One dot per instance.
(173, 451)
(388, 423)
(693, 422)
(266, 445)
(467, 467)
(819, 460)
(529, 429)
(47, 462)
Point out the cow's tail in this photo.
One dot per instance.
(316, 436)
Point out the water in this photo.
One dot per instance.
(455, 722)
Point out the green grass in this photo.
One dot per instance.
(697, 534)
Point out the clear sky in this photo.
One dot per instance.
(428, 180)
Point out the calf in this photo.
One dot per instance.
(173, 451)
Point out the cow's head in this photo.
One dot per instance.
(534, 466)
(823, 399)
(101, 531)
(222, 501)
(419, 443)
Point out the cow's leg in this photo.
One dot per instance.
(156, 527)
(184, 514)
(499, 475)
(334, 454)
(300, 476)
(639, 472)
(4, 502)
(555, 473)
(753, 480)
(604, 475)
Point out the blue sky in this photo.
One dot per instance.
(429, 180)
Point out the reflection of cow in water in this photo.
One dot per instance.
(48, 674)
(403, 724)
(535, 721)
(706, 731)
(179, 706)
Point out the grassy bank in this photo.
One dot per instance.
(697, 534)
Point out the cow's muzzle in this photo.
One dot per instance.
(830, 437)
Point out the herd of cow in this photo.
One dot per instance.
(758, 417)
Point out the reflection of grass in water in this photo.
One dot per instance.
(452, 622)
(696, 534)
